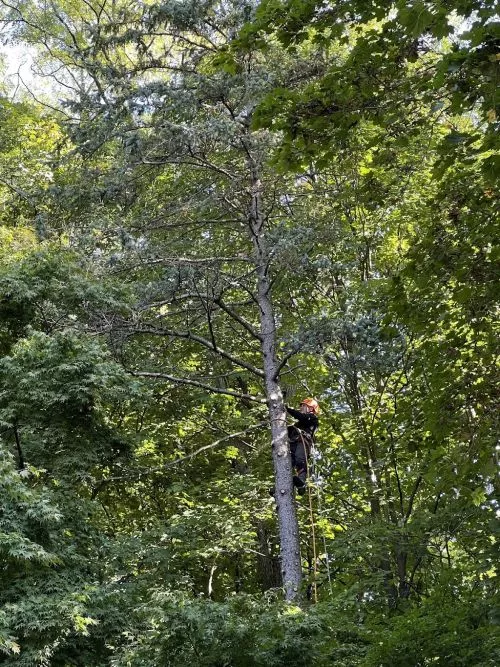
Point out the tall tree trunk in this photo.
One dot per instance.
(287, 517)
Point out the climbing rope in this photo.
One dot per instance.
(292, 388)
(312, 523)
(313, 537)
(327, 558)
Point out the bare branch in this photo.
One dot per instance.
(187, 335)
(44, 104)
(180, 261)
(20, 193)
(201, 385)
(412, 498)
(241, 320)
(285, 359)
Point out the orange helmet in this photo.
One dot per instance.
(311, 403)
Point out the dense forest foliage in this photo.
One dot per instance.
(214, 209)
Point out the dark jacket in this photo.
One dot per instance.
(307, 422)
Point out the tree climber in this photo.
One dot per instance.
(301, 439)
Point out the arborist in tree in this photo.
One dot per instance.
(301, 439)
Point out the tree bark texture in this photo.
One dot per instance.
(291, 568)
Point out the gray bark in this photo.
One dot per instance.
(287, 517)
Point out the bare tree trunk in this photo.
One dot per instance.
(287, 517)
(268, 566)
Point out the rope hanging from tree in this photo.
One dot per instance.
(312, 525)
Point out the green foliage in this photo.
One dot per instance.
(43, 598)
(443, 55)
(48, 288)
(243, 631)
(30, 139)
(432, 633)
(23, 508)
(136, 526)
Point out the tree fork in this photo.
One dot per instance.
(291, 568)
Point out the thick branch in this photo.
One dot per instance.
(412, 498)
(241, 320)
(202, 341)
(394, 465)
(201, 385)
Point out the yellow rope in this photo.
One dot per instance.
(311, 519)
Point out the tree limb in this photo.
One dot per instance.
(412, 498)
(202, 341)
(241, 320)
(201, 385)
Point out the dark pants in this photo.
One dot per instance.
(300, 451)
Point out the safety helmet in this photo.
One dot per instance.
(311, 403)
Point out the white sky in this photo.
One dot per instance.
(19, 60)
